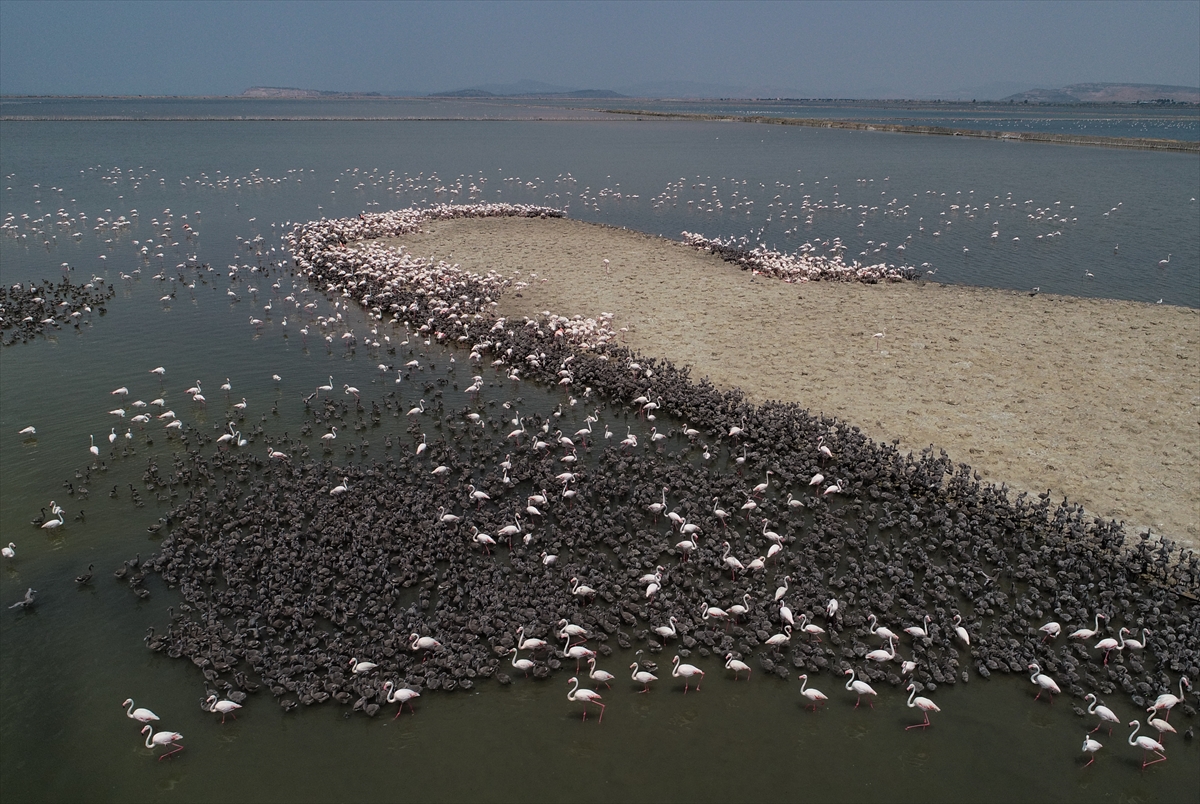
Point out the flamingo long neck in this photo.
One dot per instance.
(150, 737)
(851, 681)
(874, 626)
(912, 694)
(1096, 624)
(803, 683)
(1092, 708)
(566, 645)
(1137, 726)
(675, 667)
(1181, 678)
(1034, 675)
(571, 694)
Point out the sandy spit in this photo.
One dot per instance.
(1097, 400)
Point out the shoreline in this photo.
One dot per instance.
(1094, 399)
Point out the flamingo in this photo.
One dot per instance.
(883, 655)
(642, 677)
(737, 666)
(1088, 633)
(1165, 262)
(831, 608)
(401, 696)
(686, 671)
(417, 642)
(1147, 744)
(1108, 644)
(28, 431)
(816, 481)
(140, 715)
(961, 632)
(10, 551)
(719, 513)
(576, 652)
(93, 448)
(580, 590)
(599, 676)
(880, 631)
(658, 507)
(1166, 700)
(731, 562)
(1090, 746)
(1160, 725)
(815, 696)
(738, 609)
(860, 688)
(571, 630)
(528, 644)
(809, 628)
(780, 591)
(361, 667)
(1138, 644)
(483, 540)
(917, 632)
(785, 614)
(524, 665)
(213, 705)
(1101, 711)
(781, 639)
(1051, 630)
(587, 696)
(924, 704)
(761, 488)
(1043, 681)
(167, 737)
(666, 631)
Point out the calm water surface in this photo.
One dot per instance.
(68, 664)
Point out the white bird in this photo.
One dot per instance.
(810, 628)
(860, 688)
(224, 707)
(1103, 712)
(417, 642)
(1090, 746)
(781, 639)
(122, 391)
(93, 448)
(28, 431)
(880, 631)
(529, 644)
(1165, 701)
(576, 652)
(737, 666)
(10, 551)
(961, 632)
(642, 677)
(599, 676)
(917, 632)
(831, 608)
(1088, 633)
(883, 655)
(666, 631)
(401, 696)
(587, 696)
(361, 667)
(814, 695)
(1051, 630)
(686, 672)
(139, 714)
(1147, 744)
(1044, 682)
(924, 704)
(162, 738)
(524, 665)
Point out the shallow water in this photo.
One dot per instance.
(67, 664)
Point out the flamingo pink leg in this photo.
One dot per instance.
(1161, 758)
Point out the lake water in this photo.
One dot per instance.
(68, 664)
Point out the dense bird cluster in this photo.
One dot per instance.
(806, 266)
(27, 311)
(758, 533)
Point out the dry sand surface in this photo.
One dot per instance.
(1097, 400)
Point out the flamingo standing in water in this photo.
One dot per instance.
(642, 677)
(860, 688)
(402, 696)
(167, 737)
(924, 704)
(1091, 746)
(686, 671)
(1101, 711)
(1167, 700)
(587, 696)
(1043, 681)
(815, 696)
(1147, 744)
(139, 714)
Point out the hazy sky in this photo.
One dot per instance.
(814, 49)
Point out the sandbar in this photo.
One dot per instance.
(1096, 400)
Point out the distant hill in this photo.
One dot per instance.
(1109, 93)
(511, 91)
(292, 93)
